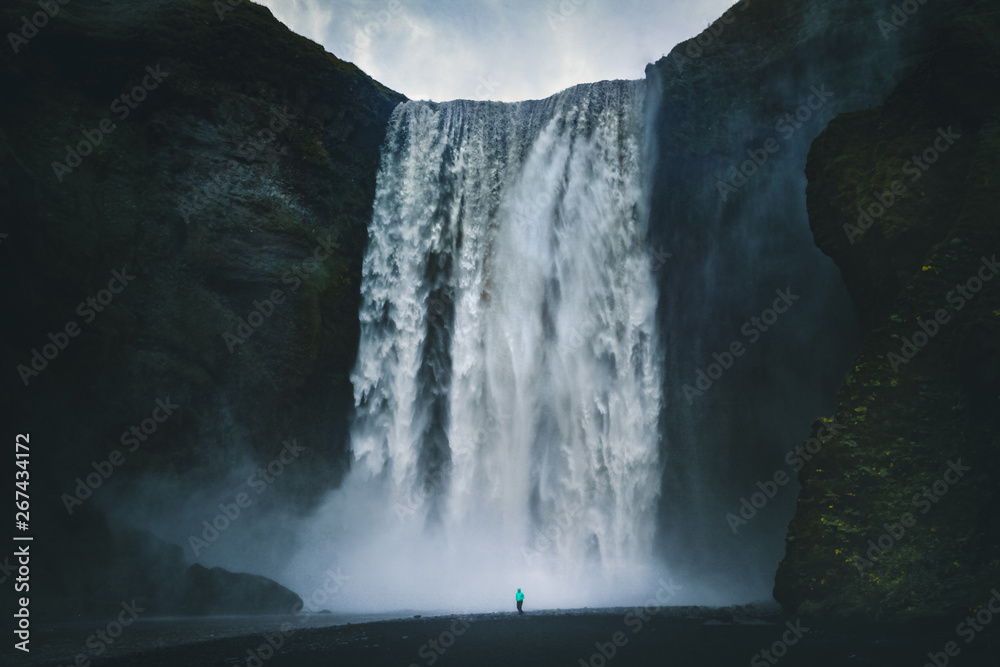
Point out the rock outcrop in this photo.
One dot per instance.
(896, 514)
(219, 592)
(206, 180)
(741, 105)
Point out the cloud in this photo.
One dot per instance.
(503, 50)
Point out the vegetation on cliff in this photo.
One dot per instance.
(896, 518)
(224, 167)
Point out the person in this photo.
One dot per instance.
(520, 600)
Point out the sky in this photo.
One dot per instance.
(505, 50)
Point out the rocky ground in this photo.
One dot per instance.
(671, 636)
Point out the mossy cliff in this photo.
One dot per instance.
(897, 513)
(742, 104)
(240, 168)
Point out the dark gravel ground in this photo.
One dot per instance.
(686, 636)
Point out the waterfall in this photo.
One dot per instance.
(508, 381)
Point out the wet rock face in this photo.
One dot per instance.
(227, 167)
(742, 104)
(185, 200)
(895, 516)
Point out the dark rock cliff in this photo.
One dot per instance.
(216, 214)
(897, 514)
(741, 106)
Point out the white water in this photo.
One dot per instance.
(508, 382)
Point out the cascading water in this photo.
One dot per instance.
(508, 382)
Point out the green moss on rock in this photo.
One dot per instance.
(911, 417)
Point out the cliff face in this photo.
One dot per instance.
(741, 105)
(896, 515)
(185, 194)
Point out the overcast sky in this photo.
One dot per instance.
(497, 49)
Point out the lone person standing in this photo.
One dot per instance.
(520, 600)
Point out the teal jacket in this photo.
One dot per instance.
(519, 596)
